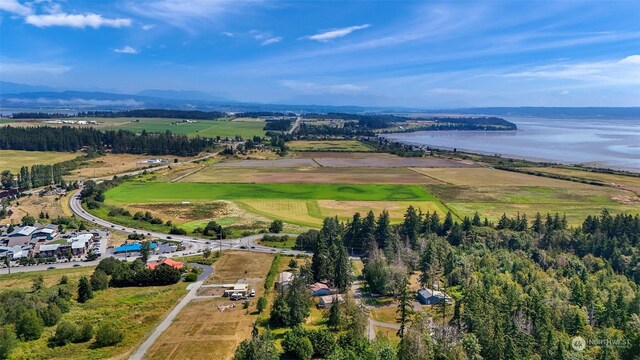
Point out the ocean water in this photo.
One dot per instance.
(596, 142)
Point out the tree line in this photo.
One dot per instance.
(70, 139)
(521, 287)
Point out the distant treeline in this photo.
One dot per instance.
(278, 125)
(43, 175)
(39, 115)
(157, 113)
(69, 139)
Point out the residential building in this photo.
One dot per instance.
(320, 289)
(433, 297)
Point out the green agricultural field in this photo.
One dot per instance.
(329, 145)
(14, 159)
(205, 128)
(138, 192)
(298, 204)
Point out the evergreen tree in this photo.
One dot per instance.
(405, 307)
(84, 290)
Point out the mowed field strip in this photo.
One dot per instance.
(204, 128)
(150, 192)
(14, 159)
(309, 175)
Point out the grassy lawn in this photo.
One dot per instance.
(137, 192)
(14, 159)
(329, 145)
(135, 310)
(288, 244)
(385, 314)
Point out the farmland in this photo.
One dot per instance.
(153, 192)
(200, 328)
(14, 159)
(328, 145)
(305, 187)
(204, 128)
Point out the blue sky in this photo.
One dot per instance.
(404, 53)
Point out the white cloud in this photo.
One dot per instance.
(14, 7)
(265, 38)
(127, 50)
(188, 15)
(610, 72)
(80, 21)
(311, 87)
(30, 68)
(336, 33)
(148, 27)
(272, 40)
(228, 34)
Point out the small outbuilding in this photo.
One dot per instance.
(328, 300)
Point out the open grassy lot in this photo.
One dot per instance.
(14, 159)
(54, 205)
(483, 176)
(206, 128)
(139, 192)
(311, 213)
(135, 310)
(235, 265)
(309, 175)
(112, 164)
(201, 330)
(329, 145)
(576, 202)
(632, 182)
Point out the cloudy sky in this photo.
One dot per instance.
(405, 53)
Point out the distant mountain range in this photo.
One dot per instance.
(20, 97)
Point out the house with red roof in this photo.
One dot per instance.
(174, 264)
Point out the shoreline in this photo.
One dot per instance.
(593, 166)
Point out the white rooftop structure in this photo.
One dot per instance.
(23, 231)
(82, 237)
(49, 247)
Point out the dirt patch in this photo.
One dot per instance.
(389, 162)
(268, 163)
(236, 265)
(627, 199)
(189, 212)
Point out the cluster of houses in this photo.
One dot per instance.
(327, 296)
(46, 241)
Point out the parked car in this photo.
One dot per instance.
(253, 293)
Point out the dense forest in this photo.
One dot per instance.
(66, 138)
(521, 288)
(278, 125)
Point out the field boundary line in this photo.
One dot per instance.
(443, 203)
(188, 174)
(429, 176)
(316, 161)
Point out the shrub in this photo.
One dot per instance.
(51, 314)
(108, 334)
(191, 277)
(29, 325)
(85, 334)
(84, 290)
(276, 226)
(296, 343)
(262, 304)
(7, 341)
(99, 280)
(66, 333)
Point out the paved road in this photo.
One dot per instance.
(295, 126)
